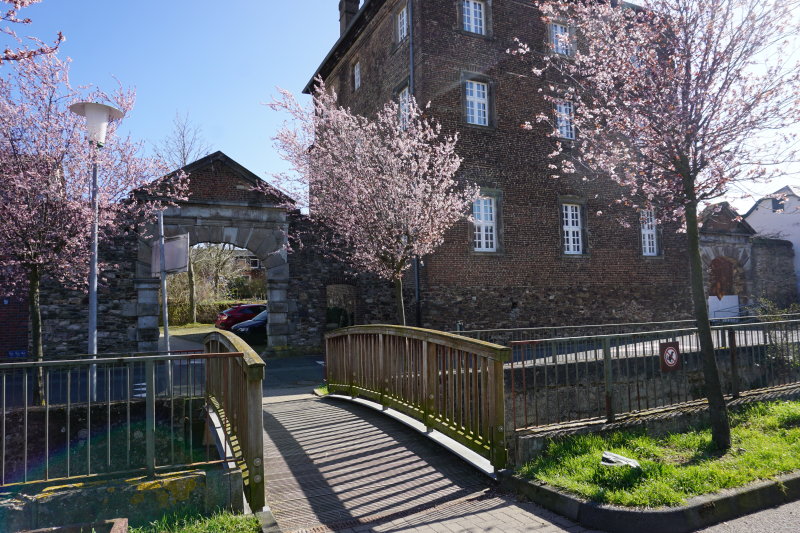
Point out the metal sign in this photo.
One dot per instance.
(176, 252)
(670, 356)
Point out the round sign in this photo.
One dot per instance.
(671, 356)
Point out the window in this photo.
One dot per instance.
(484, 212)
(560, 39)
(564, 122)
(477, 98)
(573, 228)
(473, 16)
(649, 233)
(402, 24)
(404, 106)
(357, 76)
(254, 262)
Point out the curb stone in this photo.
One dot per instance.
(699, 512)
(267, 521)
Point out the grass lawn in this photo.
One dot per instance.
(766, 443)
(219, 523)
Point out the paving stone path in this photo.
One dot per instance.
(335, 466)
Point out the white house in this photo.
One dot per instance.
(778, 215)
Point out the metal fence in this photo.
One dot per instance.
(506, 336)
(450, 383)
(600, 376)
(78, 417)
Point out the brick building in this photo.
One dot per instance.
(543, 250)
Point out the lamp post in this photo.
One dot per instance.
(97, 118)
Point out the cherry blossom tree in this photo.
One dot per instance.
(10, 15)
(45, 163)
(676, 101)
(383, 187)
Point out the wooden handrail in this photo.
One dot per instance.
(240, 409)
(450, 383)
(449, 340)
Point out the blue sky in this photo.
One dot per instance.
(217, 60)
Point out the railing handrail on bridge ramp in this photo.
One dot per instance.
(237, 385)
(122, 415)
(450, 383)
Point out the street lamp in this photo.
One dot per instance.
(97, 118)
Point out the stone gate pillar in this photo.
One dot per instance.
(147, 308)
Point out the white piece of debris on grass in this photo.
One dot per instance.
(613, 459)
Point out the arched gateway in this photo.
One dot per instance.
(222, 207)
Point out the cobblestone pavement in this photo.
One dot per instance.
(334, 466)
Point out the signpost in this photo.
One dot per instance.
(670, 356)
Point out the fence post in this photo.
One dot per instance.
(255, 436)
(150, 417)
(499, 454)
(351, 366)
(382, 371)
(608, 379)
(734, 363)
(430, 372)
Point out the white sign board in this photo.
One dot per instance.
(727, 307)
(176, 255)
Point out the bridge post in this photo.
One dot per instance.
(430, 372)
(497, 409)
(382, 372)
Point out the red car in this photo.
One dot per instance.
(238, 313)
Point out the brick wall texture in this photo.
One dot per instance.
(528, 280)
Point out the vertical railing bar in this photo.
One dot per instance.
(108, 417)
(89, 418)
(69, 409)
(129, 381)
(25, 414)
(47, 425)
(150, 418)
(4, 429)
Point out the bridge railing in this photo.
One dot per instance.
(450, 383)
(78, 417)
(568, 379)
(235, 392)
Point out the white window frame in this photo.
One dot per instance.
(557, 45)
(647, 219)
(476, 95)
(404, 106)
(484, 214)
(402, 24)
(565, 123)
(572, 228)
(357, 75)
(473, 16)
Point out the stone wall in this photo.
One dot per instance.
(774, 275)
(65, 313)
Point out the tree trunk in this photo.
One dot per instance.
(718, 411)
(398, 296)
(192, 302)
(34, 310)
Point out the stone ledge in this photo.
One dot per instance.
(699, 512)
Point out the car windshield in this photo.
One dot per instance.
(261, 316)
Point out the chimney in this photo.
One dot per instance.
(347, 10)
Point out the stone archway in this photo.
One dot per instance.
(223, 208)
